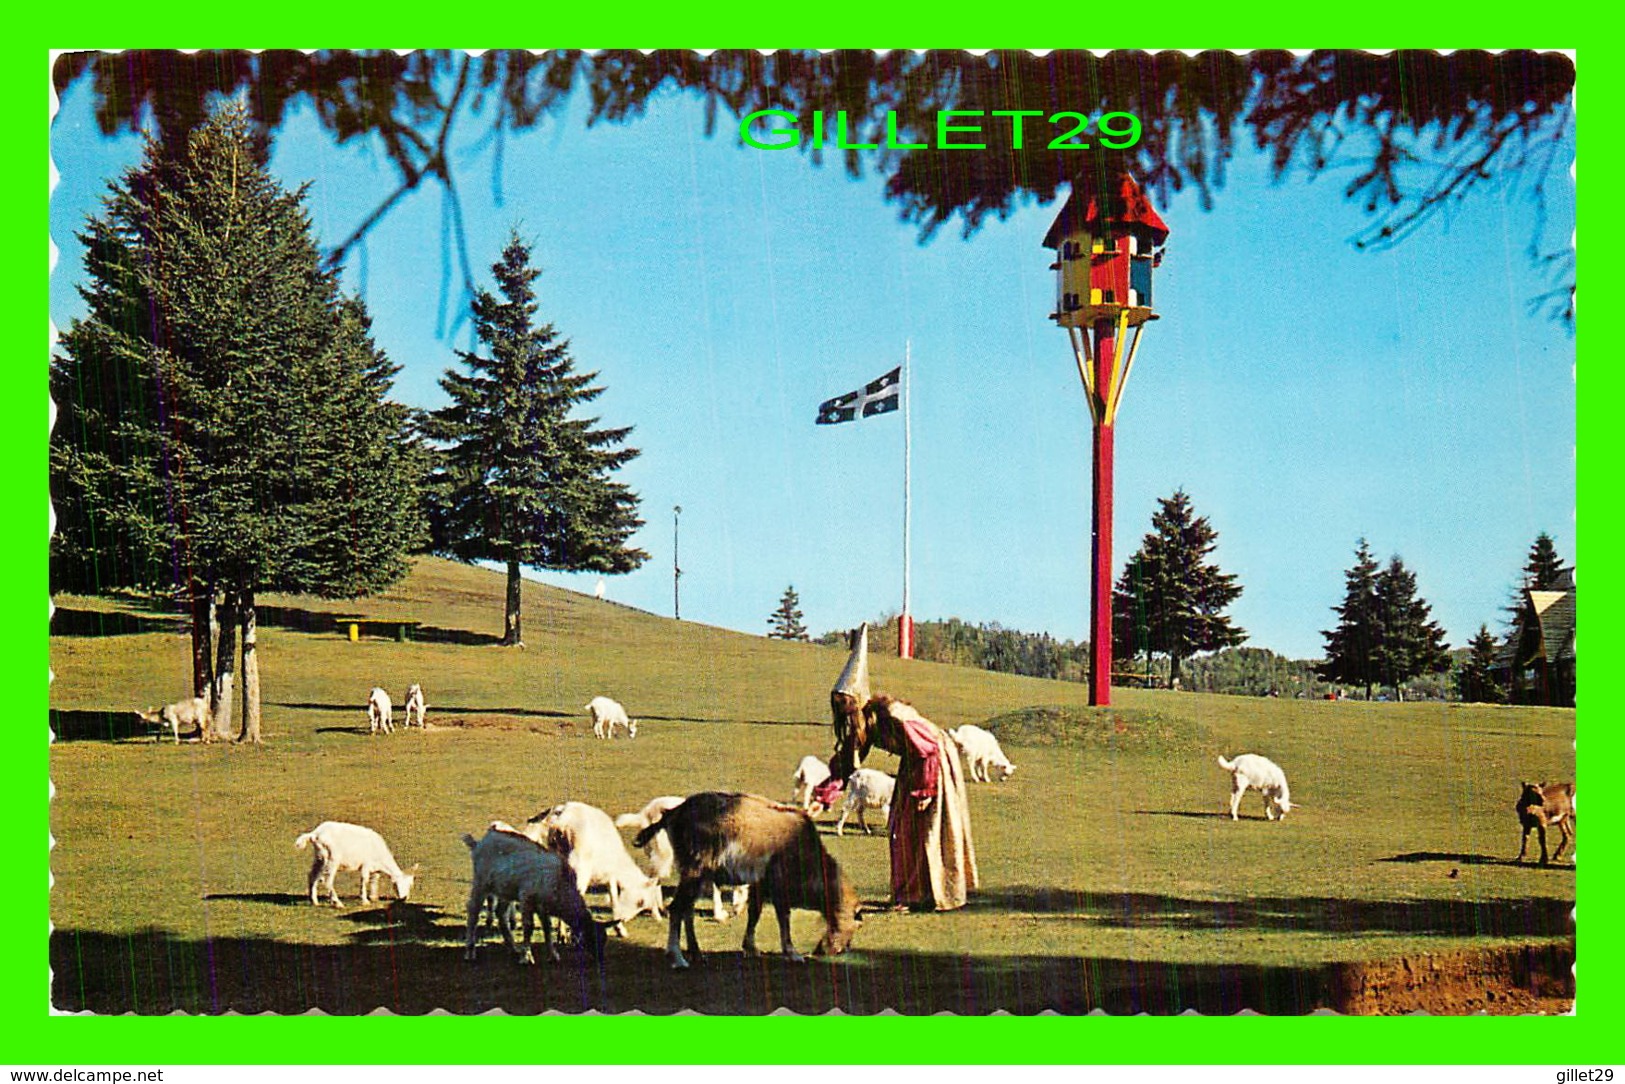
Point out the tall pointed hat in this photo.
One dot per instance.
(854, 679)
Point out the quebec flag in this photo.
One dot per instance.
(877, 397)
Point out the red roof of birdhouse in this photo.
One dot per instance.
(1098, 201)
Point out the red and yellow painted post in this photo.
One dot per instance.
(1107, 239)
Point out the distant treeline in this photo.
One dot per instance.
(1237, 671)
(988, 646)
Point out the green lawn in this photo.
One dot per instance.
(1112, 874)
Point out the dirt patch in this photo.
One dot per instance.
(1522, 979)
(1118, 730)
(549, 728)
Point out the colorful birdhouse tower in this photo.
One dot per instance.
(1107, 241)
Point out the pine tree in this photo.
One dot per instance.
(1385, 634)
(785, 624)
(1170, 598)
(203, 402)
(520, 480)
(1475, 683)
(1352, 648)
(1544, 570)
(1411, 643)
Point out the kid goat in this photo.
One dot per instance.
(341, 846)
(511, 869)
(192, 714)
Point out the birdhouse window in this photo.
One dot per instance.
(1133, 245)
(1139, 279)
(1071, 250)
(1070, 303)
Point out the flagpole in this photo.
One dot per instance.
(905, 624)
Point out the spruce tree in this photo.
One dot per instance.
(1544, 569)
(1352, 648)
(1411, 643)
(1475, 683)
(1171, 596)
(203, 402)
(785, 623)
(520, 479)
(1385, 634)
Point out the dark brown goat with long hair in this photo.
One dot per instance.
(735, 839)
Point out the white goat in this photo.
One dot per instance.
(867, 789)
(192, 713)
(598, 857)
(1252, 770)
(982, 750)
(659, 859)
(380, 712)
(809, 773)
(516, 872)
(606, 715)
(341, 846)
(414, 705)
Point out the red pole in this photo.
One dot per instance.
(1100, 610)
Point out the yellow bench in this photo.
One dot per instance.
(399, 631)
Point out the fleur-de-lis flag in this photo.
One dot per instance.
(877, 397)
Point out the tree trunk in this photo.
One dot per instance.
(1173, 671)
(511, 631)
(225, 665)
(251, 673)
(201, 600)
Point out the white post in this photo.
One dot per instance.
(904, 632)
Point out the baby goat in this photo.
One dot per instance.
(516, 872)
(341, 846)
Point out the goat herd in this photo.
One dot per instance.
(711, 840)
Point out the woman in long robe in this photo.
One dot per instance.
(933, 859)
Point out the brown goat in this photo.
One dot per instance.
(743, 839)
(1543, 804)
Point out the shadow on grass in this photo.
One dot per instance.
(1191, 813)
(1430, 918)
(154, 971)
(103, 726)
(446, 709)
(281, 899)
(1455, 859)
(433, 634)
(70, 622)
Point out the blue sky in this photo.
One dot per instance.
(1303, 393)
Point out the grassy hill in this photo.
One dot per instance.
(1112, 874)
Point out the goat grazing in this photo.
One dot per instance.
(1252, 770)
(746, 839)
(659, 860)
(867, 789)
(414, 705)
(982, 752)
(606, 715)
(598, 857)
(192, 713)
(380, 712)
(341, 846)
(1542, 805)
(809, 774)
(515, 872)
